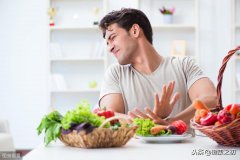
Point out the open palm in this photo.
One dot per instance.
(164, 104)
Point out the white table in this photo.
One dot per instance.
(137, 150)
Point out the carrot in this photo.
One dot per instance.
(199, 113)
(156, 129)
(199, 105)
(197, 119)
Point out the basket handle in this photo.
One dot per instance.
(220, 77)
(113, 118)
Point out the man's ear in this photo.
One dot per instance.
(135, 30)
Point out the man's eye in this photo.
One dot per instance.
(113, 37)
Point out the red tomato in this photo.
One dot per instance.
(105, 113)
(180, 125)
(108, 114)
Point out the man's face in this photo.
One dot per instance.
(120, 43)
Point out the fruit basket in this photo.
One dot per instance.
(81, 127)
(227, 134)
(100, 137)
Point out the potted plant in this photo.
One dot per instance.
(167, 14)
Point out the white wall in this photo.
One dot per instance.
(215, 41)
(23, 67)
(23, 63)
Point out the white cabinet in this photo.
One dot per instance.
(236, 42)
(77, 52)
(77, 58)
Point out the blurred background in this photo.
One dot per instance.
(52, 54)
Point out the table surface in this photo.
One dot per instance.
(194, 148)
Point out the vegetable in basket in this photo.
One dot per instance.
(80, 118)
(233, 109)
(82, 113)
(206, 118)
(102, 111)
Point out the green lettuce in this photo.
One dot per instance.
(82, 113)
(51, 125)
(144, 126)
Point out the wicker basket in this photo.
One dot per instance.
(100, 137)
(227, 134)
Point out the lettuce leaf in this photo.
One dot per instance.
(144, 126)
(82, 113)
(51, 125)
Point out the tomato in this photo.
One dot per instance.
(180, 125)
(105, 113)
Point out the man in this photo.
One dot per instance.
(144, 79)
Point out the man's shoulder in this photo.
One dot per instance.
(116, 68)
(179, 60)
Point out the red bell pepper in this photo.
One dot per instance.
(209, 119)
(233, 109)
(224, 116)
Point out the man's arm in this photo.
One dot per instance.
(204, 90)
(114, 102)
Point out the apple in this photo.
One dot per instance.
(92, 84)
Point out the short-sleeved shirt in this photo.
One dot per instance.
(138, 89)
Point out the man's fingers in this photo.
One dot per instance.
(154, 117)
(171, 88)
(156, 99)
(163, 94)
(175, 99)
(140, 113)
(156, 109)
(160, 121)
(131, 114)
(150, 113)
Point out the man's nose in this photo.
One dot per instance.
(110, 47)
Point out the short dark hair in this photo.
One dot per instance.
(125, 18)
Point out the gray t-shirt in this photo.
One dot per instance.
(138, 89)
